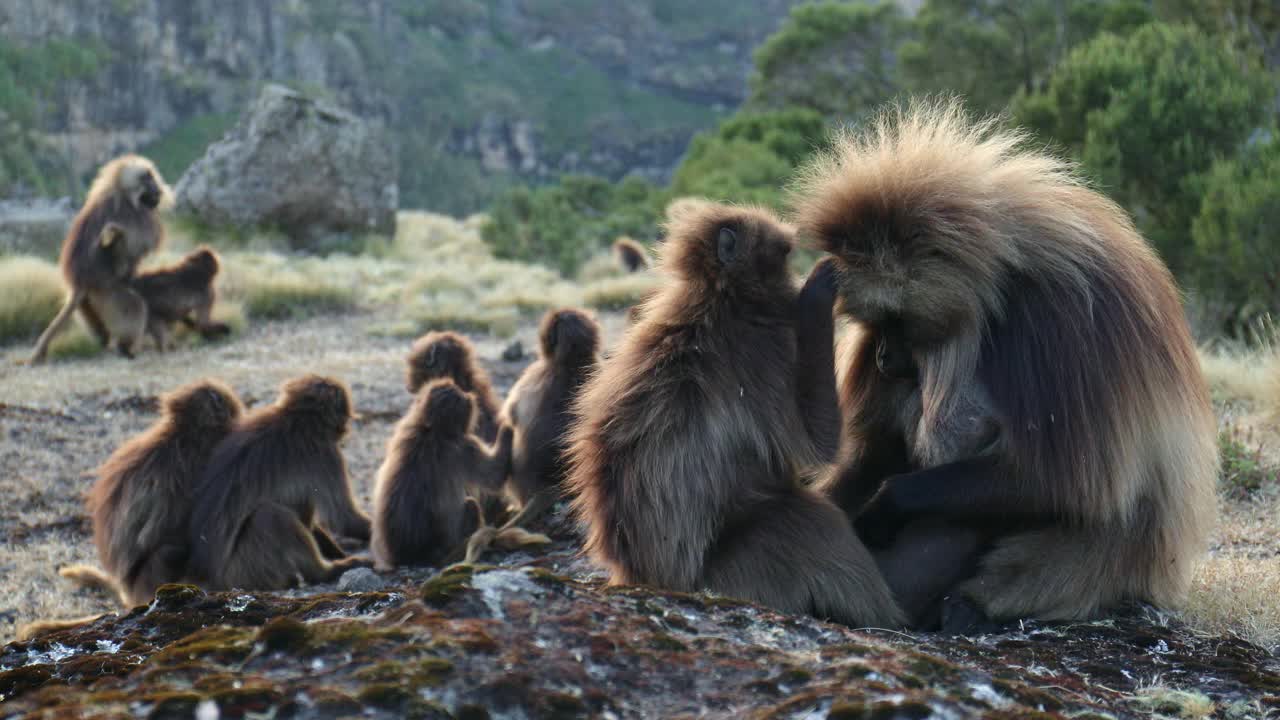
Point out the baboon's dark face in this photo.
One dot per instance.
(893, 272)
(448, 408)
(148, 191)
(438, 356)
(204, 261)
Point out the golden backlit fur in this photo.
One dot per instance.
(1019, 288)
(686, 458)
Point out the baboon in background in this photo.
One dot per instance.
(631, 255)
(254, 519)
(421, 511)
(686, 460)
(1063, 454)
(446, 354)
(141, 501)
(182, 292)
(539, 407)
(97, 267)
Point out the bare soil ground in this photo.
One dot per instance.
(59, 421)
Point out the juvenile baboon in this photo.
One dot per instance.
(420, 506)
(141, 501)
(631, 255)
(97, 266)
(254, 523)
(182, 292)
(447, 354)
(686, 461)
(538, 408)
(1062, 428)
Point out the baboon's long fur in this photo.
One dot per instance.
(421, 510)
(1020, 288)
(631, 255)
(269, 487)
(686, 459)
(141, 501)
(127, 193)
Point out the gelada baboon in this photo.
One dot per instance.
(539, 408)
(270, 486)
(631, 255)
(98, 265)
(447, 354)
(421, 510)
(686, 460)
(182, 292)
(1061, 415)
(141, 501)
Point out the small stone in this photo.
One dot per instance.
(513, 352)
(361, 580)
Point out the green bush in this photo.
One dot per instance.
(1237, 233)
(1147, 115)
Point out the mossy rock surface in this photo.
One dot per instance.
(543, 637)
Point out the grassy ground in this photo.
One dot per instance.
(354, 316)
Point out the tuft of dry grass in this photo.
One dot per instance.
(1237, 594)
(31, 293)
(1244, 376)
(1163, 701)
(617, 293)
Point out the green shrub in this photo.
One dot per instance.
(1244, 469)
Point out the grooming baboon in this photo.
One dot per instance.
(631, 255)
(687, 458)
(182, 292)
(254, 523)
(420, 506)
(538, 408)
(97, 266)
(1062, 450)
(446, 354)
(141, 501)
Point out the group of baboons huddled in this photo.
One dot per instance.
(1015, 425)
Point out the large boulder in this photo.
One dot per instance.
(304, 167)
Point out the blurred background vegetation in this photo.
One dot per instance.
(571, 123)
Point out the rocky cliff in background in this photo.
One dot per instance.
(476, 94)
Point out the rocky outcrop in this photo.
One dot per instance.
(474, 92)
(305, 167)
(544, 637)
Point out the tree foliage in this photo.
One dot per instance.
(1147, 115)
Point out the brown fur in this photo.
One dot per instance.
(264, 489)
(420, 506)
(1060, 402)
(631, 255)
(182, 292)
(115, 229)
(687, 456)
(447, 354)
(141, 501)
(538, 408)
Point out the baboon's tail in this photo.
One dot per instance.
(94, 578)
(44, 627)
(505, 538)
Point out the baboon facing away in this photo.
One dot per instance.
(631, 255)
(538, 408)
(98, 262)
(421, 510)
(1062, 428)
(182, 292)
(141, 501)
(686, 460)
(268, 488)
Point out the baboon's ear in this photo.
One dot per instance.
(726, 245)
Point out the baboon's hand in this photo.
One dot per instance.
(819, 291)
(880, 520)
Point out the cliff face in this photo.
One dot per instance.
(476, 94)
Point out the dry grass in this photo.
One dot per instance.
(1162, 701)
(30, 295)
